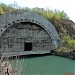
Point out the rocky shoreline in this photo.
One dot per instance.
(6, 69)
(67, 54)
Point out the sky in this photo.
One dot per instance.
(66, 5)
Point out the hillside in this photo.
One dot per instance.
(66, 31)
(64, 26)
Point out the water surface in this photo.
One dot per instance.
(45, 65)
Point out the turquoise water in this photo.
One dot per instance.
(45, 65)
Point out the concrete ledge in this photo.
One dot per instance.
(10, 54)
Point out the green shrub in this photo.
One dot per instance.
(47, 13)
(68, 42)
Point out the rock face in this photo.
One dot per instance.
(65, 27)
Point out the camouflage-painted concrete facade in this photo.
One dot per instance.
(27, 31)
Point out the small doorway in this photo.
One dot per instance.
(27, 46)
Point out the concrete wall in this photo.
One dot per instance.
(9, 20)
(14, 37)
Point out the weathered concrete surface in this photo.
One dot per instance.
(10, 54)
(12, 18)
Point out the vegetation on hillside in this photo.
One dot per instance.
(58, 18)
(47, 13)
